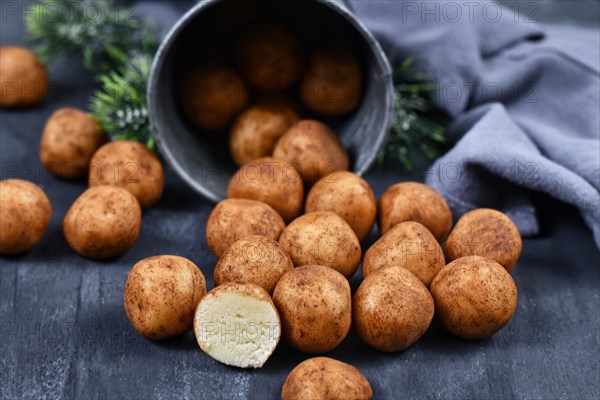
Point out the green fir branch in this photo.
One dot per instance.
(412, 131)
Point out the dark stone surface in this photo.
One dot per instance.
(64, 334)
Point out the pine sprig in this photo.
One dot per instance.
(412, 131)
(101, 31)
(120, 104)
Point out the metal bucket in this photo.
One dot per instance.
(202, 160)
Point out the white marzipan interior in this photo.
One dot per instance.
(237, 330)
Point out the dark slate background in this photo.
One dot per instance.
(64, 334)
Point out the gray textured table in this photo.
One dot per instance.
(64, 334)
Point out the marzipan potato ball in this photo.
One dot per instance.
(272, 181)
(237, 324)
(235, 219)
(270, 58)
(392, 309)
(257, 130)
(23, 78)
(314, 150)
(24, 215)
(474, 297)
(129, 165)
(414, 201)
(323, 378)
(254, 259)
(70, 139)
(212, 95)
(322, 238)
(332, 84)
(347, 195)
(488, 233)
(103, 222)
(409, 245)
(315, 307)
(161, 295)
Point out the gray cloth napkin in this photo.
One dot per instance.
(524, 98)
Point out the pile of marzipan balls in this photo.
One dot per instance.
(287, 238)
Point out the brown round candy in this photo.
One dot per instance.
(322, 238)
(270, 57)
(254, 259)
(414, 201)
(103, 222)
(23, 78)
(161, 294)
(315, 307)
(25, 212)
(70, 139)
(212, 95)
(272, 181)
(474, 297)
(409, 245)
(235, 219)
(131, 166)
(257, 130)
(332, 84)
(314, 150)
(347, 195)
(392, 309)
(488, 233)
(323, 378)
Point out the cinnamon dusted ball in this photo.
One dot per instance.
(272, 181)
(314, 149)
(332, 84)
(129, 165)
(70, 139)
(270, 57)
(24, 215)
(257, 130)
(414, 201)
(23, 78)
(212, 95)
(103, 222)
(347, 195)
(488, 233)
(474, 297)
(392, 309)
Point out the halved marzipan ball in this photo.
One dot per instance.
(323, 378)
(237, 324)
(161, 295)
(257, 130)
(487, 233)
(474, 297)
(23, 78)
(131, 166)
(235, 219)
(315, 307)
(392, 309)
(322, 238)
(25, 212)
(332, 84)
(212, 95)
(270, 57)
(414, 201)
(272, 181)
(103, 222)
(70, 139)
(409, 245)
(347, 195)
(254, 259)
(313, 149)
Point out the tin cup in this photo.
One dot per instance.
(201, 158)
